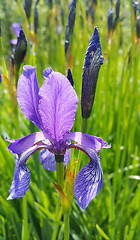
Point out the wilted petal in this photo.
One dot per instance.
(86, 140)
(21, 180)
(88, 181)
(27, 94)
(57, 104)
(20, 145)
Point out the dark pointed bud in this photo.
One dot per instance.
(117, 8)
(20, 49)
(138, 26)
(92, 64)
(36, 18)
(67, 39)
(67, 44)
(110, 19)
(135, 7)
(12, 60)
(67, 32)
(27, 7)
(11, 68)
(50, 3)
(0, 27)
(71, 17)
(69, 76)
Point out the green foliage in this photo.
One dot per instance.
(115, 212)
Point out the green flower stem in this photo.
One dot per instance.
(16, 74)
(66, 225)
(58, 214)
(25, 220)
(84, 125)
(60, 180)
(60, 173)
(83, 129)
(16, 105)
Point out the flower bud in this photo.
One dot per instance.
(27, 7)
(110, 19)
(135, 7)
(138, 26)
(69, 76)
(117, 8)
(71, 17)
(11, 69)
(36, 18)
(67, 40)
(0, 27)
(92, 64)
(20, 49)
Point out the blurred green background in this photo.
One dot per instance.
(115, 212)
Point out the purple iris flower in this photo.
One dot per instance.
(16, 29)
(52, 108)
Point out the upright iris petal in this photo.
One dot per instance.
(27, 94)
(58, 107)
(53, 109)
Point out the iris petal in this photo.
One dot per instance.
(27, 95)
(57, 104)
(48, 160)
(86, 140)
(89, 181)
(20, 145)
(21, 181)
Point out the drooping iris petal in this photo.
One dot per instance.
(89, 181)
(86, 140)
(57, 105)
(48, 159)
(27, 94)
(21, 181)
(20, 145)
